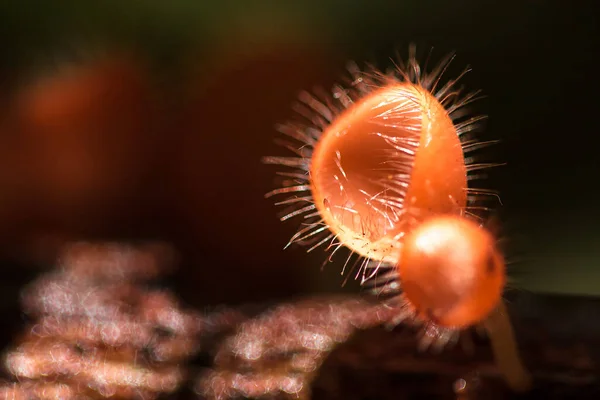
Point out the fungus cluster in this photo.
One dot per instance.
(382, 167)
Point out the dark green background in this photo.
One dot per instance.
(536, 61)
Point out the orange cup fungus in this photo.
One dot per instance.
(87, 130)
(391, 159)
(384, 164)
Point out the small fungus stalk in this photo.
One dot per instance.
(506, 353)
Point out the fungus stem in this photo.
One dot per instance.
(506, 353)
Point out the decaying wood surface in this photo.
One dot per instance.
(378, 363)
(100, 329)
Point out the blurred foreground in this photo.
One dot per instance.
(99, 329)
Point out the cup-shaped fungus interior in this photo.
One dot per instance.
(389, 159)
(451, 272)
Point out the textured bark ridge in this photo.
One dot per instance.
(99, 328)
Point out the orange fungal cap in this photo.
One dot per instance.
(391, 159)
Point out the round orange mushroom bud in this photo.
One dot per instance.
(451, 272)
